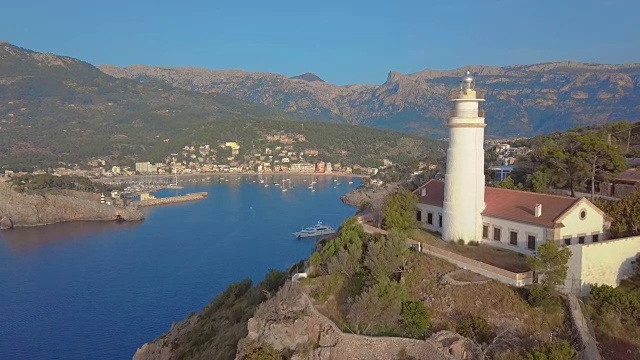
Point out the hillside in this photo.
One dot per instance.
(60, 109)
(523, 99)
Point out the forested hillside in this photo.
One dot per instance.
(58, 109)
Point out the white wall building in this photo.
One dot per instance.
(461, 208)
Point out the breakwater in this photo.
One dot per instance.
(172, 199)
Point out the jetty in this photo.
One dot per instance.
(153, 201)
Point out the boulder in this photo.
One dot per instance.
(6, 223)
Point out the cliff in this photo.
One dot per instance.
(20, 209)
(289, 322)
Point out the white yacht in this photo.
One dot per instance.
(316, 230)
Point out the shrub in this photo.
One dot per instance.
(608, 300)
(542, 297)
(262, 352)
(460, 241)
(476, 329)
(403, 355)
(557, 350)
(415, 318)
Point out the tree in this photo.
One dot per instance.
(538, 181)
(550, 263)
(415, 318)
(625, 213)
(387, 255)
(378, 307)
(399, 211)
(604, 160)
(347, 261)
(509, 183)
(564, 160)
(575, 157)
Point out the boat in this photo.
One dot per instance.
(317, 230)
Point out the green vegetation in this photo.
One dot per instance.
(373, 284)
(477, 329)
(415, 319)
(575, 159)
(550, 263)
(615, 315)
(224, 321)
(559, 350)
(262, 352)
(67, 111)
(46, 183)
(625, 213)
(399, 211)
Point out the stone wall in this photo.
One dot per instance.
(606, 262)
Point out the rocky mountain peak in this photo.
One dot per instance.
(308, 76)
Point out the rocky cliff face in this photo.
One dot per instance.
(289, 322)
(524, 100)
(17, 209)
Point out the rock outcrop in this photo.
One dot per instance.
(289, 322)
(523, 99)
(19, 209)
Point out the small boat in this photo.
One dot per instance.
(317, 230)
(174, 186)
(350, 182)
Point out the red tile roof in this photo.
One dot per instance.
(507, 204)
(434, 195)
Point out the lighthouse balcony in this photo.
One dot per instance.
(471, 94)
(471, 113)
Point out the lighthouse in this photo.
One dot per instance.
(464, 180)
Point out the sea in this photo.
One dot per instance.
(100, 290)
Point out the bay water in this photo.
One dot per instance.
(99, 290)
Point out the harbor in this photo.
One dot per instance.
(149, 200)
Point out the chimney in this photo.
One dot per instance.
(538, 210)
(423, 191)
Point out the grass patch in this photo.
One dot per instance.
(504, 259)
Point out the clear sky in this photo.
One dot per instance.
(342, 41)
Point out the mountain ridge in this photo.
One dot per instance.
(521, 99)
(57, 110)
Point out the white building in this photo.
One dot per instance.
(464, 180)
(461, 208)
(519, 220)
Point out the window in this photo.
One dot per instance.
(497, 233)
(595, 238)
(440, 221)
(430, 218)
(583, 214)
(567, 241)
(580, 239)
(531, 242)
(513, 238)
(485, 231)
(419, 215)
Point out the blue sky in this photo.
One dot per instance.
(342, 41)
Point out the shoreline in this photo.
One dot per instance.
(172, 176)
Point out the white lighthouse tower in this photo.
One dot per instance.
(464, 179)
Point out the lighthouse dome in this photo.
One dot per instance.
(467, 77)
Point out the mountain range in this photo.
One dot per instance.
(520, 100)
(59, 109)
